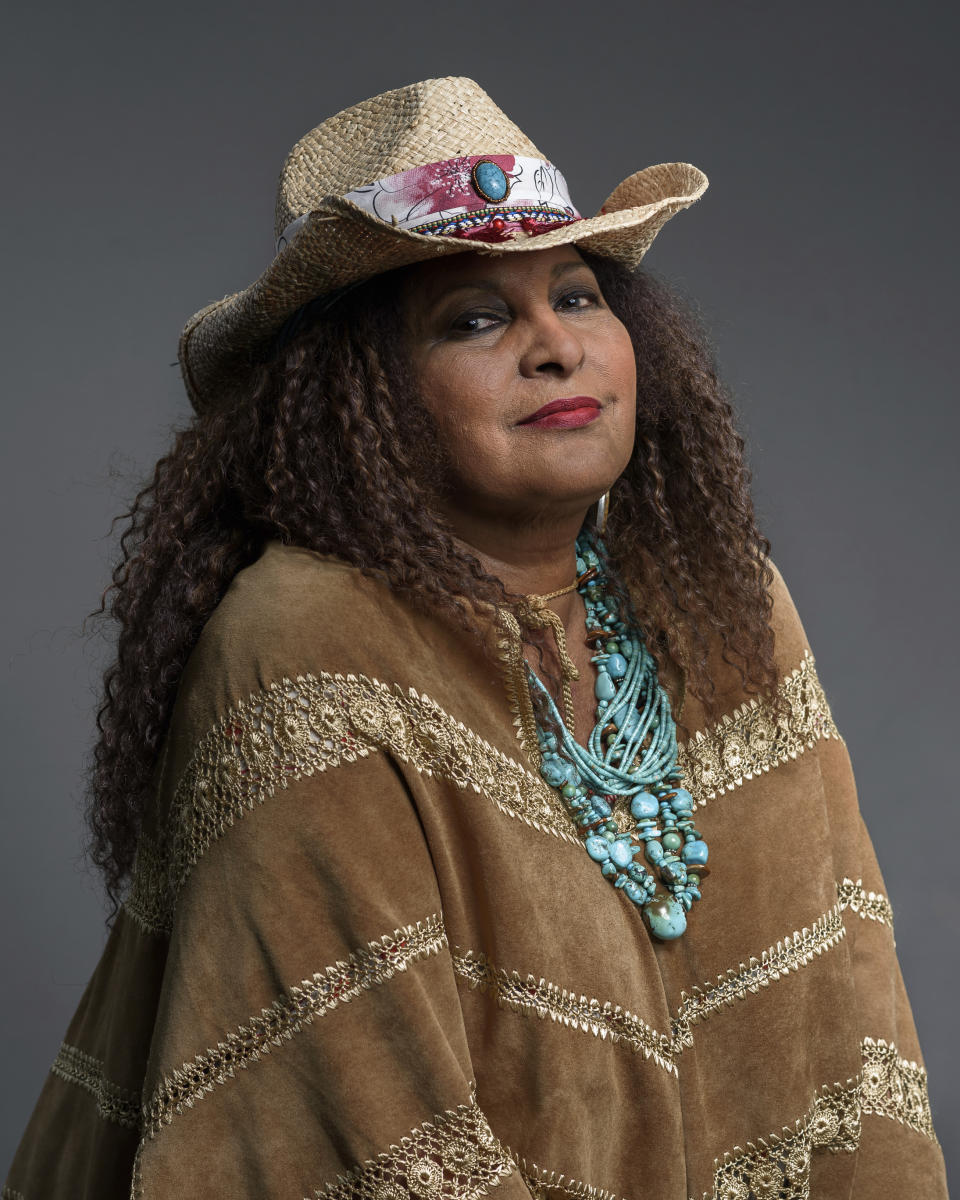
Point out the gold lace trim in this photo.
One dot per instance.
(364, 968)
(471, 1159)
(793, 952)
(777, 1167)
(872, 905)
(544, 1184)
(749, 741)
(546, 999)
(456, 1156)
(525, 994)
(895, 1087)
(298, 727)
(114, 1103)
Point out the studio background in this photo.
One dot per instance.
(142, 148)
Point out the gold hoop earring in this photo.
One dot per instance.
(603, 508)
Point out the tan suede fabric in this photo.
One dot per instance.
(365, 953)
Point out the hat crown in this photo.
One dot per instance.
(421, 123)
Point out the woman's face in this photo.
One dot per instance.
(495, 339)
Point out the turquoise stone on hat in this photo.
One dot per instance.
(665, 918)
(490, 181)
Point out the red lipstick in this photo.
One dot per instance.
(566, 413)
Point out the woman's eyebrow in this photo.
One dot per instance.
(492, 285)
(475, 285)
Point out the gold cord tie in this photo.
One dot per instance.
(553, 595)
(539, 616)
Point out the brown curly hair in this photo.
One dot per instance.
(330, 449)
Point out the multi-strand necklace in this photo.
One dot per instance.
(631, 753)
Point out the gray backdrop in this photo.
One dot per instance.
(143, 146)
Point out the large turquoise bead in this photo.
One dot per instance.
(554, 771)
(695, 853)
(644, 805)
(572, 774)
(604, 688)
(622, 852)
(665, 918)
(636, 894)
(672, 870)
(598, 848)
(682, 802)
(627, 719)
(672, 840)
(616, 666)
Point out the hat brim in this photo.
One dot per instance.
(340, 243)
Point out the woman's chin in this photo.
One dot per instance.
(578, 476)
(552, 503)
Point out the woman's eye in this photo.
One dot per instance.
(473, 322)
(571, 301)
(480, 322)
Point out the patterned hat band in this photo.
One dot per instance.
(488, 198)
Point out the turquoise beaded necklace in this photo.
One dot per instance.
(631, 752)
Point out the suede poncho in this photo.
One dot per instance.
(365, 954)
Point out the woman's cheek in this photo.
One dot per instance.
(622, 356)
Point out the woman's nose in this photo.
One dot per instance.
(551, 345)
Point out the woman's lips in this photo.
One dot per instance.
(565, 414)
(565, 420)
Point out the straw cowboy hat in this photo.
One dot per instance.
(429, 169)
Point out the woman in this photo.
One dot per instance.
(484, 818)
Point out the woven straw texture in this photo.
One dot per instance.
(340, 243)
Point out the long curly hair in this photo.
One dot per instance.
(329, 448)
